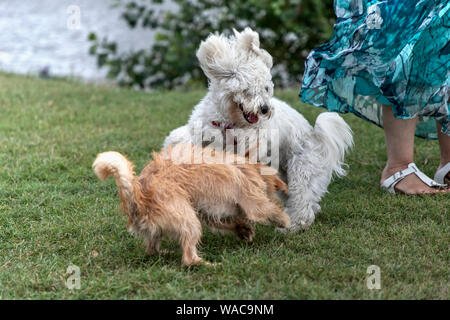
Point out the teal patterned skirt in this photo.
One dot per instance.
(392, 52)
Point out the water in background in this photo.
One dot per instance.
(34, 36)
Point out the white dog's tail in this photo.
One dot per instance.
(113, 163)
(334, 138)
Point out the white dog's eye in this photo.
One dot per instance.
(267, 89)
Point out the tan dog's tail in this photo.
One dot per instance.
(113, 163)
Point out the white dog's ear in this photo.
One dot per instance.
(215, 55)
(249, 40)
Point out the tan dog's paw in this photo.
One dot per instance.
(245, 232)
(281, 220)
(211, 264)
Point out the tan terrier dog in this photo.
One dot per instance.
(172, 197)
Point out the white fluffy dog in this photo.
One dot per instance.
(240, 96)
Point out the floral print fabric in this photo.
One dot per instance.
(393, 52)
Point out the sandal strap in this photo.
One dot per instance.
(392, 181)
(442, 173)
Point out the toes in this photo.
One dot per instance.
(425, 191)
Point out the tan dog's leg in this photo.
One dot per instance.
(153, 244)
(243, 229)
(189, 231)
(189, 245)
(278, 217)
(258, 208)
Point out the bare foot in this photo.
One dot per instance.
(411, 184)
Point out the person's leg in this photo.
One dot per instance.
(399, 134)
(444, 144)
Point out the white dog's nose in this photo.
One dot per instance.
(264, 109)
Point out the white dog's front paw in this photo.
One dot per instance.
(301, 219)
(305, 224)
(300, 225)
(316, 208)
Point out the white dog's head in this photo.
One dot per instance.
(239, 75)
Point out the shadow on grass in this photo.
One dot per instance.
(214, 248)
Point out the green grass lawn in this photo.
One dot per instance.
(54, 212)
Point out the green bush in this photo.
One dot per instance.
(289, 29)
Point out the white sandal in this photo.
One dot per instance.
(442, 173)
(390, 183)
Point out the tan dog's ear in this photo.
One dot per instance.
(249, 40)
(215, 55)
